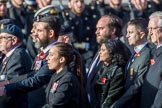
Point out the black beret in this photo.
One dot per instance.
(12, 29)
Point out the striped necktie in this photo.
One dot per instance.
(4, 62)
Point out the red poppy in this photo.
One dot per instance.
(152, 61)
(136, 55)
(41, 55)
(103, 80)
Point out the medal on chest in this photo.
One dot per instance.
(54, 87)
(38, 64)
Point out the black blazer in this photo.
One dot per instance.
(36, 80)
(17, 64)
(90, 83)
(63, 91)
(152, 87)
(110, 85)
(138, 66)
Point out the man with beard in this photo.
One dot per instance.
(46, 34)
(108, 27)
(42, 41)
(16, 62)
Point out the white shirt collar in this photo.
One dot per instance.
(11, 51)
(158, 45)
(138, 48)
(48, 47)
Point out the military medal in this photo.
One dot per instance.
(131, 73)
(38, 64)
(152, 61)
(54, 87)
(40, 57)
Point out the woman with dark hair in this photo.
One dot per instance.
(63, 90)
(111, 75)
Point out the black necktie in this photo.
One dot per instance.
(131, 60)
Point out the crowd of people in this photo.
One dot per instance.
(80, 55)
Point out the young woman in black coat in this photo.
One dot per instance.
(110, 83)
(63, 90)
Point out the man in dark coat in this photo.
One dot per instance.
(138, 64)
(4, 22)
(108, 27)
(152, 87)
(16, 61)
(47, 33)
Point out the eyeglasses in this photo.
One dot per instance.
(4, 37)
(153, 28)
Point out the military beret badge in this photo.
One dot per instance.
(2, 26)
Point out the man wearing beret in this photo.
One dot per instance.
(46, 34)
(4, 22)
(16, 62)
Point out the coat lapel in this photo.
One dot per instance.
(55, 78)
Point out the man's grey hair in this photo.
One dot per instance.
(157, 14)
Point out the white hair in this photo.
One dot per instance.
(157, 14)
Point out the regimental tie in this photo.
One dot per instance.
(4, 62)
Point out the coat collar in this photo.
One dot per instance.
(158, 51)
(61, 74)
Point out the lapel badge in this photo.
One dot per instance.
(2, 26)
(136, 54)
(131, 72)
(41, 54)
(152, 61)
(52, 11)
(103, 80)
(38, 18)
(54, 87)
(38, 64)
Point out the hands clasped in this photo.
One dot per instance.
(2, 91)
(2, 87)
